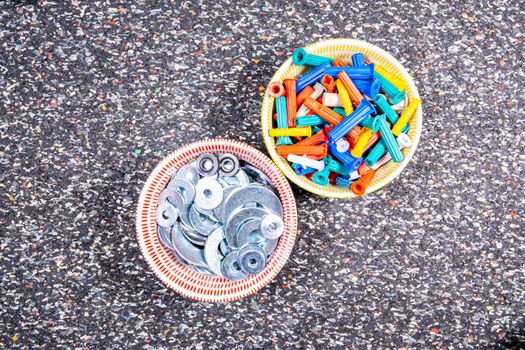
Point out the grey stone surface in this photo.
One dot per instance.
(95, 93)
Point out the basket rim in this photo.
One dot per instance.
(302, 181)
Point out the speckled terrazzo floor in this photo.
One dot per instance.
(93, 94)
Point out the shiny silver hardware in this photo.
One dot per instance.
(207, 165)
(209, 194)
(228, 164)
(272, 226)
(184, 187)
(220, 218)
(253, 194)
(252, 259)
(239, 217)
(188, 172)
(231, 268)
(211, 251)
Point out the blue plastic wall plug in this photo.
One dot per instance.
(311, 77)
(365, 72)
(340, 130)
(301, 170)
(370, 88)
(351, 163)
(358, 59)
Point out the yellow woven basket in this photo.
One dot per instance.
(343, 49)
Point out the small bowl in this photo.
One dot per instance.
(164, 264)
(343, 49)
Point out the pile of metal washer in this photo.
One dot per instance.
(220, 217)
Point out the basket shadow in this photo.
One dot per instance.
(513, 340)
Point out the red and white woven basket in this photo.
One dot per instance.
(183, 279)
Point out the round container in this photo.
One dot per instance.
(343, 49)
(163, 263)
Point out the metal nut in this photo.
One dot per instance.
(207, 164)
(228, 164)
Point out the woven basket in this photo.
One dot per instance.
(343, 49)
(183, 279)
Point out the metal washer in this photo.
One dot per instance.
(228, 164)
(252, 259)
(184, 187)
(188, 172)
(272, 226)
(207, 164)
(231, 269)
(209, 194)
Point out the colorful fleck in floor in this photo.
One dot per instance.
(93, 94)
